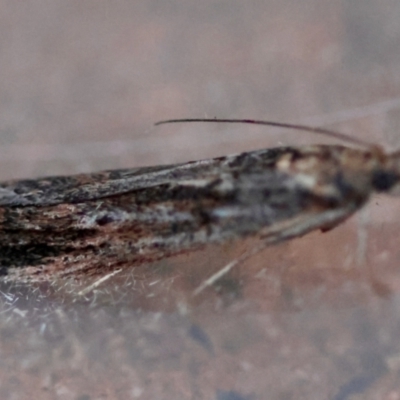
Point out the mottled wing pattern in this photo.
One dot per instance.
(83, 187)
(94, 223)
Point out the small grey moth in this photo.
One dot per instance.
(94, 224)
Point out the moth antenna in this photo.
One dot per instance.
(304, 128)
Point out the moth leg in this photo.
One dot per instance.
(330, 226)
(223, 271)
(289, 229)
(306, 222)
(327, 228)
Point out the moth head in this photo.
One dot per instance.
(386, 178)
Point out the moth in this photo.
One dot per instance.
(94, 224)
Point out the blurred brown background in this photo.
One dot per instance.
(81, 85)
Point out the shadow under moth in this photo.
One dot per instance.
(94, 224)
